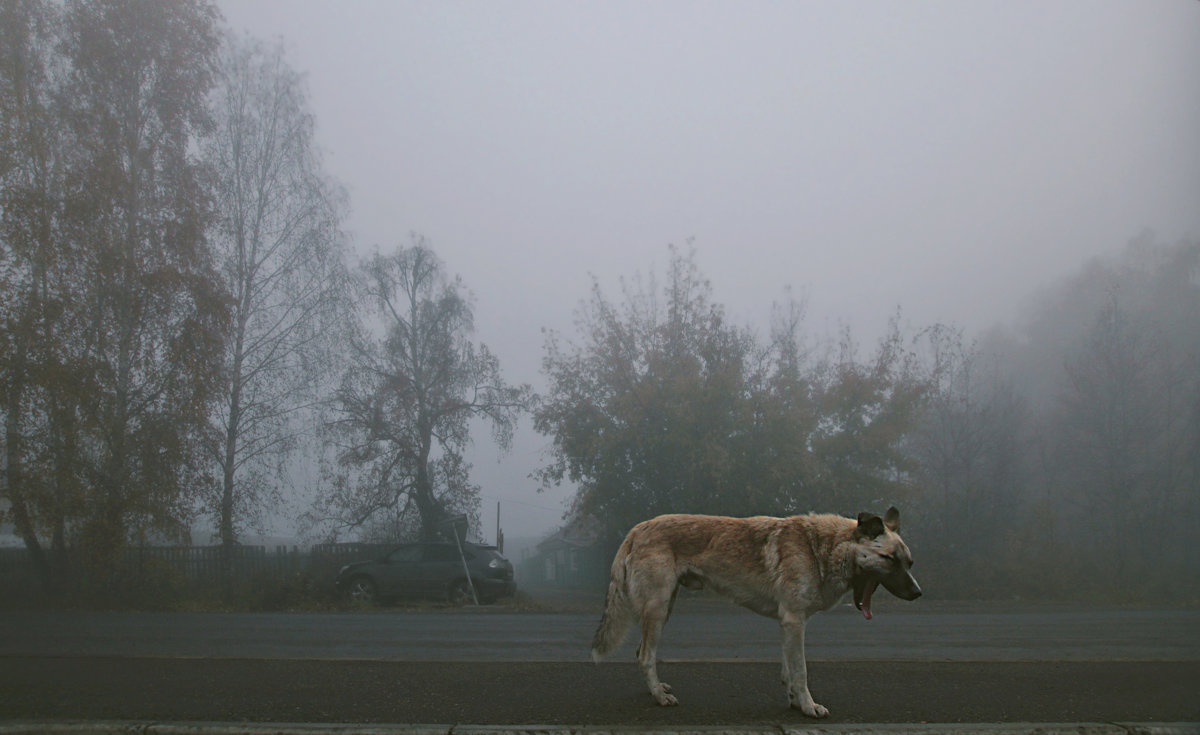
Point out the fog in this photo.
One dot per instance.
(944, 159)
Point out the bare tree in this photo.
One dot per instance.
(1108, 361)
(406, 402)
(280, 254)
(971, 449)
(1118, 427)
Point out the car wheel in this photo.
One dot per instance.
(361, 589)
(460, 592)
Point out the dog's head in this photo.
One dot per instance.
(881, 557)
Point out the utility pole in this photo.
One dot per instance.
(499, 533)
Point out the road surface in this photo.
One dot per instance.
(499, 668)
(704, 633)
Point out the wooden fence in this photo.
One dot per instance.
(204, 564)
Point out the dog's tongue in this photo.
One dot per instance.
(866, 600)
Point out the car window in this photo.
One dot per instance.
(442, 552)
(405, 554)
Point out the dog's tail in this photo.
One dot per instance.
(617, 618)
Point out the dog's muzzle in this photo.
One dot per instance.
(909, 590)
(864, 586)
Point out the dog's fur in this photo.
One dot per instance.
(784, 568)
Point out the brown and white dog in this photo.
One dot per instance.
(785, 568)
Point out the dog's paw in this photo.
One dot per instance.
(664, 697)
(808, 707)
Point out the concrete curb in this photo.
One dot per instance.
(67, 727)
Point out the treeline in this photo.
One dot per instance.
(1062, 458)
(1059, 458)
(178, 321)
(177, 316)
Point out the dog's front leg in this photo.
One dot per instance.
(795, 671)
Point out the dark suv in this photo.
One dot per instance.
(430, 570)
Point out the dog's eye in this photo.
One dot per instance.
(888, 557)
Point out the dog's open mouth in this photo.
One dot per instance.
(864, 587)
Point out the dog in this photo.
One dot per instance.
(785, 568)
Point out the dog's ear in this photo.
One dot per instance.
(891, 519)
(869, 525)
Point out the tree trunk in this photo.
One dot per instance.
(226, 522)
(232, 432)
(19, 510)
(13, 452)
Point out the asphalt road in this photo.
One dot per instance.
(701, 631)
(497, 668)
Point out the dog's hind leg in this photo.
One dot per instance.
(795, 670)
(653, 616)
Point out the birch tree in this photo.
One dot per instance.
(32, 263)
(280, 255)
(137, 206)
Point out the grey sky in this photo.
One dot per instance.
(943, 157)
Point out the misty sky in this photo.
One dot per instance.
(947, 158)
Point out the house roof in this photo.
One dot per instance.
(580, 533)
